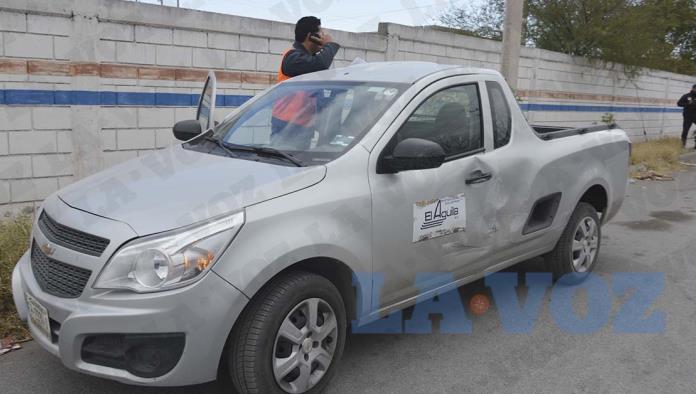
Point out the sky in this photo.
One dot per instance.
(349, 15)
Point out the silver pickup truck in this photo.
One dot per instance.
(250, 248)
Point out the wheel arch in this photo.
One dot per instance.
(597, 196)
(336, 271)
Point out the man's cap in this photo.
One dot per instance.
(694, 87)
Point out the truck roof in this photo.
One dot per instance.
(392, 72)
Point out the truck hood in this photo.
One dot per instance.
(176, 187)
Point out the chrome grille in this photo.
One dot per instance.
(70, 238)
(57, 278)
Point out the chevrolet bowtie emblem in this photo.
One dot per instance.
(47, 249)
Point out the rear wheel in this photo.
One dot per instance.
(290, 337)
(577, 250)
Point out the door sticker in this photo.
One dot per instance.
(438, 217)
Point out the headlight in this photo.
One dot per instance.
(168, 260)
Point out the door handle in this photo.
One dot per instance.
(478, 176)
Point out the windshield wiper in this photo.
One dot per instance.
(221, 144)
(229, 149)
(262, 150)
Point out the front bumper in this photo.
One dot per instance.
(204, 311)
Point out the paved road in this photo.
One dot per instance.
(655, 232)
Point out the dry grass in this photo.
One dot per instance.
(660, 155)
(14, 241)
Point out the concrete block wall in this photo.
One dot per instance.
(558, 89)
(88, 84)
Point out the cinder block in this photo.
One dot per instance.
(64, 141)
(373, 42)
(153, 35)
(108, 138)
(128, 52)
(116, 31)
(405, 45)
(340, 54)
(352, 53)
(164, 138)
(135, 139)
(223, 41)
(28, 45)
(253, 44)
(37, 189)
(15, 118)
(372, 56)
(421, 47)
(208, 58)
(15, 167)
(155, 117)
(268, 62)
(184, 113)
(118, 117)
(240, 60)
(493, 58)
(279, 46)
(174, 56)
(106, 51)
(190, 38)
(64, 181)
(4, 192)
(33, 142)
(13, 21)
(282, 30)
(4, 148)
(116, 157)
(438, 50)
(454, 52)
(63, 48)
(51, 118)
(52, 165)
(44, 24)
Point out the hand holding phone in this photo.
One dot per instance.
(321, 38)
(316, 38)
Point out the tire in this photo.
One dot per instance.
(563, 261)
(257, 343)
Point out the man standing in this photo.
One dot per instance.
(313, 50)
(688, 102)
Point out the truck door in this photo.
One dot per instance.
(432, 220)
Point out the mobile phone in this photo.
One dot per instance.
(315, 38)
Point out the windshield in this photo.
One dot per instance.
(314, 122)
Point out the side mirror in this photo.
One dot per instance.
(412, 154)
(186, 129)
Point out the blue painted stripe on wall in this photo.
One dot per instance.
(593, 108)
(83, 97)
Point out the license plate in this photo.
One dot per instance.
(38, 314)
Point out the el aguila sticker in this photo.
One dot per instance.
(438, 217)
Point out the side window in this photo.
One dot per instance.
(500, 111)
(450, 117)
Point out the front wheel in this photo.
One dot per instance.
(290, 337)
(577, 251)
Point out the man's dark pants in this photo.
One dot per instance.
(688, 121)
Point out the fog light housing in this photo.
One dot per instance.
(143, 355)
